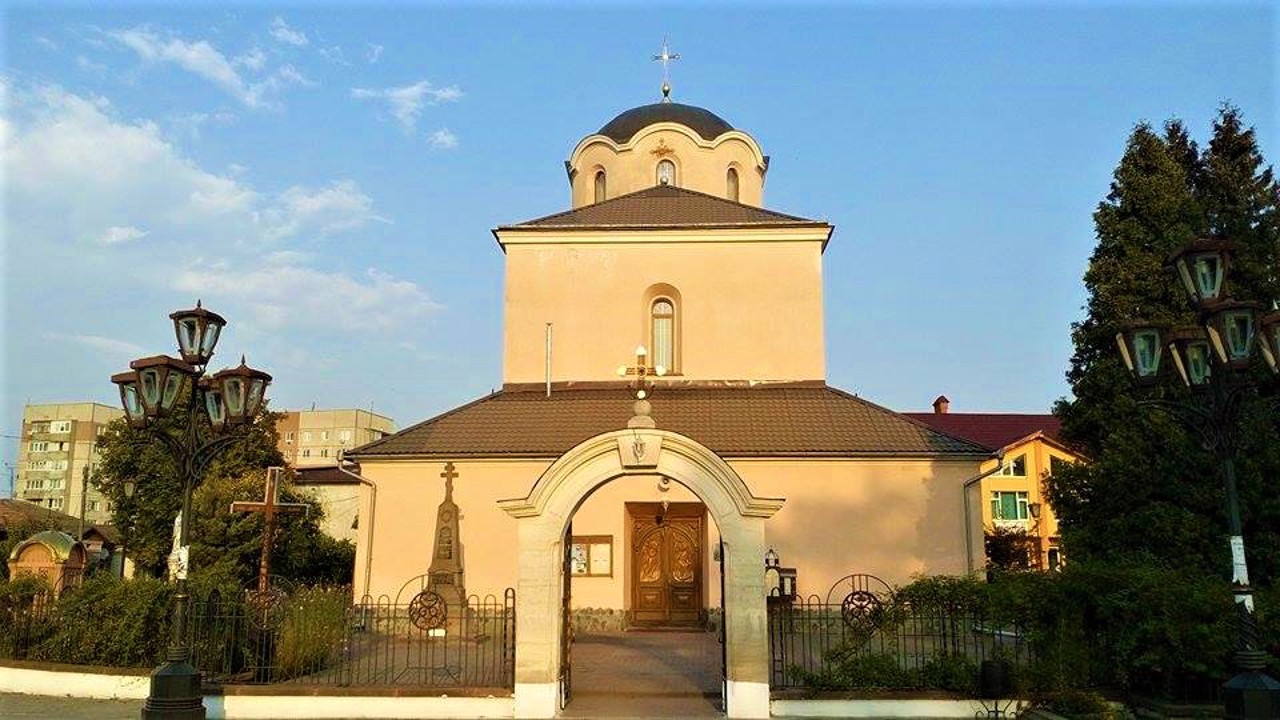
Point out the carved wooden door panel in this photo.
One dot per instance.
(667, 567)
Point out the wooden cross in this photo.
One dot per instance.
(270, 506)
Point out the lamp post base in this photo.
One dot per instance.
(1251, 694)
(175, 693)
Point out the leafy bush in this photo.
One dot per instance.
(850, 671)
(315, 621)
(23, 622)
(950, 671)
(109, 621)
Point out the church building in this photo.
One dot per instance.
(664, 423)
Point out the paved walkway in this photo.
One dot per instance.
(646, 674)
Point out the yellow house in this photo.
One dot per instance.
(1010, 493)
(585, 494)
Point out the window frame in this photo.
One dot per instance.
(1021, 503)
(600, 186)
(675, 173)
(1009, 469)
(733, 184)
(672, 362)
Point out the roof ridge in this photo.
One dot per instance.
(428, 421)
(909, 419)
(664, 191)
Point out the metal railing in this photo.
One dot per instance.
(370, 644)
(884, 645)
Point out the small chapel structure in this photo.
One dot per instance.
(662, 511)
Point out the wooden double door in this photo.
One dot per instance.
(666, 564)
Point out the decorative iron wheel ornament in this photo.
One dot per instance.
(428, 611)
(266, 608)
(861, 611)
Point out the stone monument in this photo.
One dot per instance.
(445, 577)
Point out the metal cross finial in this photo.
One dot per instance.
(449, 474)
(665, 57)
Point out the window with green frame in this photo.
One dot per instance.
(1009, 505)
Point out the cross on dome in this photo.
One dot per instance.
(665, 57)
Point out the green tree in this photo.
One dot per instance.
(1150, 493)
(225, 547)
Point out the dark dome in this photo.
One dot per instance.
(704, 122)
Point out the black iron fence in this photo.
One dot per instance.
(868, 642)
(307, 636)
(309, 641)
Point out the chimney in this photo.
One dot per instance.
(941, 405)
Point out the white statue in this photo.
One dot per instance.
(177, 554)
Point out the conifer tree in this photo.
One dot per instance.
(1149, 492)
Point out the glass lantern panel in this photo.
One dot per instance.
(132, 403)
(233, 395)
(211, 331)
(1146, 352)
(189, 335)
(255, 396)
(1239, 327)
(214, 407)
(1207, 270)
(149, 380)
(172, 384)
(1198, 367)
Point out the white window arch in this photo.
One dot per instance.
(662, 332)
(666, 173)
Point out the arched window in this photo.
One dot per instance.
(731, 184)
(662, 320)
(666, 173)
(600, 187)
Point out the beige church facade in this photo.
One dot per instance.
(569, 490)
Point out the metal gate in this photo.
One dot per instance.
(724, 648)
(566, 620)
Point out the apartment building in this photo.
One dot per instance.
(59, 446)
(313, 438)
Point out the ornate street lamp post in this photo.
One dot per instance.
(230, 400)
(1215, 361)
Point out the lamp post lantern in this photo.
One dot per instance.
(1214, 360)
(228, 400)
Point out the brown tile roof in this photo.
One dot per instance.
(27, 517)
(761, 421)
(991, 430)
(325, 475)
(665, 206)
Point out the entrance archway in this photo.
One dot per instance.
(545, 512)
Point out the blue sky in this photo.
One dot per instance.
(326, 176)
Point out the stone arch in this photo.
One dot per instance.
(544, 514)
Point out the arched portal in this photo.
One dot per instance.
(545, 512)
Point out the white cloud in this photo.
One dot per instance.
(281, 31)
(102, 344)
(374, 54)
(286, 293)
(204, 60)
(193, 123)
(79, 179)
(443, 139)
(46, 42)
(88, 65)
(324, 211)
(290, 75)
(406, 102)
(334, 55)
(253, 60)
(117, 234)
